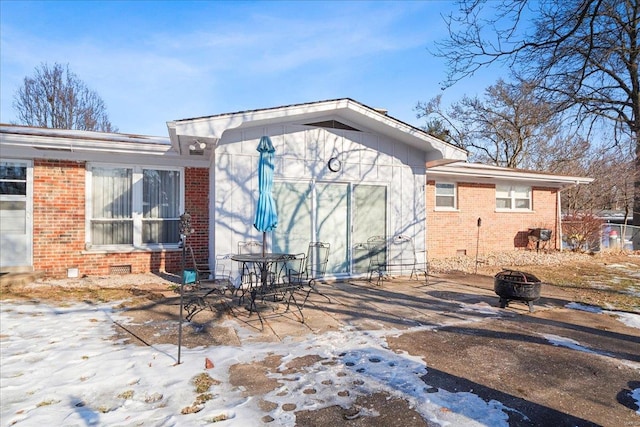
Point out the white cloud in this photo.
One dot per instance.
(217, 58)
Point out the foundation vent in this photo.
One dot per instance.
(120, 269)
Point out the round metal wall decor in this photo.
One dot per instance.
(334, 164)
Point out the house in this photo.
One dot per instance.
(85, 203)
(475, 209)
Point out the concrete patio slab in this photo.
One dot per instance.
(556, 366)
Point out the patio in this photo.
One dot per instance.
(556, 366)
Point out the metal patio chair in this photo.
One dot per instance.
(314, 268)
(377, 246)
(248, 273)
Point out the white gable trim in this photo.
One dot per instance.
(210, 129)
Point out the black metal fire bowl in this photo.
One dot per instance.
(511, 285)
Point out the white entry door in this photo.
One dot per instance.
(15, 214)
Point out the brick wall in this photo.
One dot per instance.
(59, 224)
(197, 204)
(454, 233)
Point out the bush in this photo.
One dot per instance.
(581, 232)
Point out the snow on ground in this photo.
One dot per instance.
(572, 344)
(635, 394)
(60, 366)
(630, 319)
(583, 307)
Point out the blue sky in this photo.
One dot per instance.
(152, 62)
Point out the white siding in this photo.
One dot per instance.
(302, 153)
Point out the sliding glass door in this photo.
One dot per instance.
(369, 219)
(337, 213)
(294, 232)
(332, 223)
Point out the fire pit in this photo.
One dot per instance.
(511, 285)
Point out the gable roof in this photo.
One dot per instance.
(480, 173)
(210, 129)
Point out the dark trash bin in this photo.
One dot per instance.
(512, 285)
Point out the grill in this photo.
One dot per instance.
(538, 235)
(511, 285)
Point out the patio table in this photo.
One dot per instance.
(263, 262)
(271, 281)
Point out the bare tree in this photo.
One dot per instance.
(508, 127)
(582, 54)
(54, 97)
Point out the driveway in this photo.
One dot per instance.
(564, 364)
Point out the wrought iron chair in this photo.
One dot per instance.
(249, 274)
(313, 269)
(205, 284)
(197, 272)
(295, 268)
(223, 272)
(377, 246)
(397, 256)
(291, 273)
(250, 247)
(403, 256)
(361, 258)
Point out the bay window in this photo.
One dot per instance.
(134, 205)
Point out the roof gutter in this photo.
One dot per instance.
(486, 172)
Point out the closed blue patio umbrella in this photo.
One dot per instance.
(266, 218)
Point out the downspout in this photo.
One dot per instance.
(559, 204)
(213, 215)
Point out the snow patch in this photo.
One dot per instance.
(570, 343)
(635, 394)
(584, 307)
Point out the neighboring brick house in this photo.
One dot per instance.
(90, 203)
(509, 204)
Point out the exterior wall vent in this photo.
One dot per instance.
(333, 124)
(120, 269)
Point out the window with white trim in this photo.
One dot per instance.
(513, 197)
(134, 205)
(446, 195)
